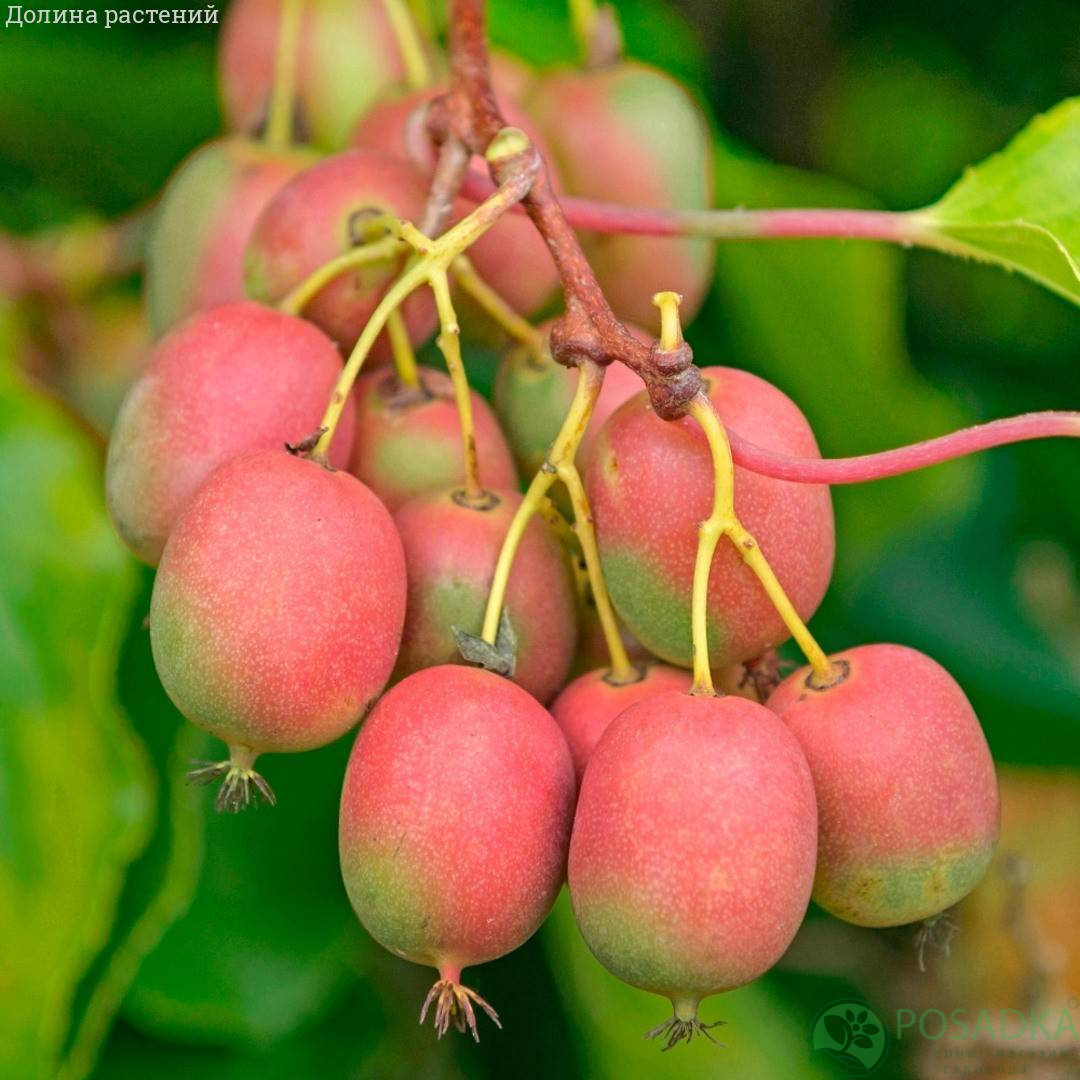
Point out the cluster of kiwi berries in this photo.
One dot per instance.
(296, 597)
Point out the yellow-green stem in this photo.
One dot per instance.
(410, 44)
(404, 358)
(622, 671)
(432, 259)
(583, 21)
(449, 342)
(723, 521)
(389, 247)
(279, 124)
(563, 449)
(497, 309)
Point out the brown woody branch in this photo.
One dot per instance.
(589, 328)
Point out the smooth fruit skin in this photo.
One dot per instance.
(450, 550)
(907, 794)
(512, 256)
(195, 252)
(278, 605)
(693, 848)
(347, 55)
(628, 133)
(531, 398)
(455, 818)
(586, 706)
(234, 378)
(321, 214)
(408, 441)
(650, 484)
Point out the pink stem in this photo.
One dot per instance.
(592, 216)
(904, 459)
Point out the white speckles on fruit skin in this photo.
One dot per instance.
(694, 843)
(903, 774)
(231, 379)
(278, 606)
(455, 817)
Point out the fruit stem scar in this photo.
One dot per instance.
(279, 127)
(409, 43)
(723, 521)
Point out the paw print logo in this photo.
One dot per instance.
(848, 1038)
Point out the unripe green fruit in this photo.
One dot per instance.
(451, 549)
(650, 483)
(324, 212)
(627, 133)
(907, 795)
(693, 848)
(195, 253)
(278, 605)
(532, 396)
(347, 54)
(228, 380)
(408, 440)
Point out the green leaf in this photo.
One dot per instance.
(761, 1037)
(74, 790)
(824, 321)
(270, 940)
(1019, 208)
(161, 882)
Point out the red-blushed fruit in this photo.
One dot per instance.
(347, 54)
(512, 256)
(195, 251)
(628, 133)
(408, 440)
(586, 706)
(455, 818)
(450, 550)
(277, 609)
(693, 848)
(532, 397)
(234, 378)
(650, 483)
(324, 212)
(907, 794)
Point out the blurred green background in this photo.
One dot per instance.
(141, 935)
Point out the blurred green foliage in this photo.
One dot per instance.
(138, 924)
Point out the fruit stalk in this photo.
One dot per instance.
(561, 455)
(279, 126)
(723, 521)
(434, 258)
(497, 309)
(413, 55)
(905, 459)
(404, 357)
(449, 342)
